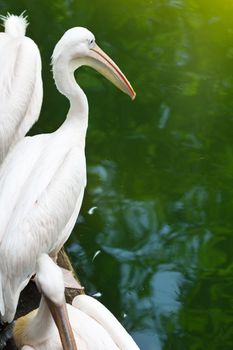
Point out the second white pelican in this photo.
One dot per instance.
(94, 326)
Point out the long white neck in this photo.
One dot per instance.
(63, 73)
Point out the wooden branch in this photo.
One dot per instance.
(72, 283)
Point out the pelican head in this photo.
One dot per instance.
(78, 47)
(49, 275)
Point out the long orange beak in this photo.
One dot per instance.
(60, 316)
(100, 61)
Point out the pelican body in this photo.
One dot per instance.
(20, 83)
(94, 326)
(43, 178)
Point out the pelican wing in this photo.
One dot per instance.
(88, 333)
(98, 312)
(20, 83)
(41, 184)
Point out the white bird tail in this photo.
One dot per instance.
(15, 25)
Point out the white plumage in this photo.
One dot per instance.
(20, 82)
(93, 325)
(43, 178)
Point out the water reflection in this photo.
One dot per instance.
(161, 255)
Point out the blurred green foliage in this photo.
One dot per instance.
(160, 169)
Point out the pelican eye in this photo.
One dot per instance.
(91, 42)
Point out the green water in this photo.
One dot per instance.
(160, 169)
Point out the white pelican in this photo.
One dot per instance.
(94, 326)
(42, 180)
(20, 82)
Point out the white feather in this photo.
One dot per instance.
(41, 205)
(15, 25)
(20, 83)
(105, 318)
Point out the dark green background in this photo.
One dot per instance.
(160, 169)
